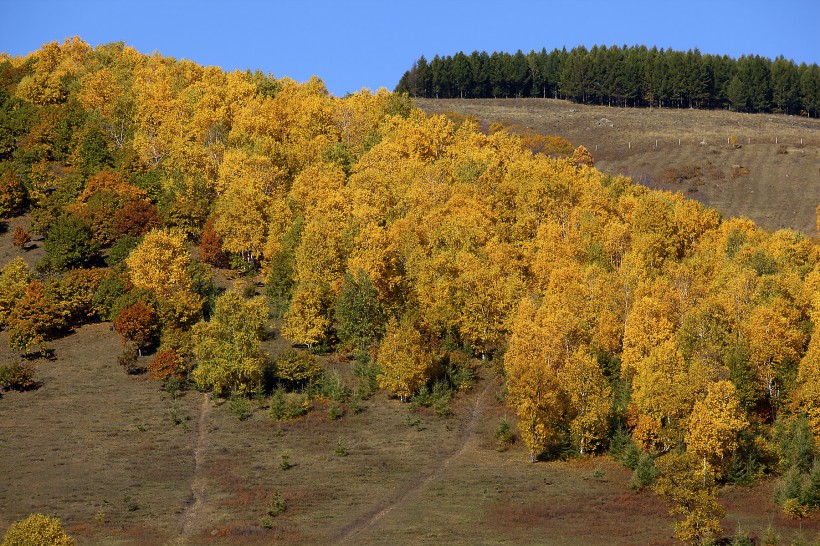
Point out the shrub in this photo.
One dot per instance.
(368, 372)
(74, 293)
(240, 406)
(120, 250)
(17, 376)
(21, 237)
(504, 434)
(286, 406)
(811, 493)
(12, 194)
(69, 244)
(438, 398)
(645, 472)
(335, 411)
(285, 463)
(741, 538)
(37, 530)
(297, 368)
(210, 246)
(129, 361)
(137, 324)
(796, 443)
(107, 293)
(793, 509)
(277, 505)
(136, 218)
(790, 487)
(166, 365)
(331, 386)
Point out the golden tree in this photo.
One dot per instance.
(590, 400)
(37, 530)
(405, 359)
(227, 348)
(714, 425)
(692, 497)
(531, 367)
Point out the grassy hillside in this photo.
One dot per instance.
(782, 185)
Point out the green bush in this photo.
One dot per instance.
(335, 412)
(811, 492)
(331, 386)
(120, 250)
(69, 243)
(796, 443)
(437, 398)
(17, 376)
(790, 486)
(108, 292)
(367, 372)
(504, 434)
(240, 406)
(622, 448)
(285, 406)
(645, 472)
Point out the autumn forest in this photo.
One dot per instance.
(200, 212)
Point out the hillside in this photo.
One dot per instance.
(235, 308)
(781, 189)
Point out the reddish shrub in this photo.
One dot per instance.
(138, 324)
(21, 237)
(165, 365)
(210, 248)
(135, 218)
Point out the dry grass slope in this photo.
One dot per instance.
(776, 169)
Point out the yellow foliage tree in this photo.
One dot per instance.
(692, 497)
(531, 365)
(159, 264)
(406, 361)
(714, 425)
(306, 320)
(774, 336)
(590, 400)
(227, 348)
(14, 279)
(806, 396)
(37, 530)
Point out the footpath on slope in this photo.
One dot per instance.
(468, 436)
(192, 515)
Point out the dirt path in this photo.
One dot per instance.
(467, 440)
(192, 516)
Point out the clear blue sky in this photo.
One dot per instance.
(354, 44)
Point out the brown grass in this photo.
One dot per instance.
(779, 188)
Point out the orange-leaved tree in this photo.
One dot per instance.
(137, 324)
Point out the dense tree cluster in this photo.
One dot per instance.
(623, 76)
(612, 311)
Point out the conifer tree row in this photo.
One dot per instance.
(623, 76)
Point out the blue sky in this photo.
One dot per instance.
(354, 44)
